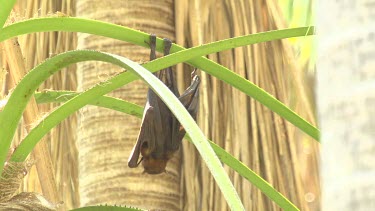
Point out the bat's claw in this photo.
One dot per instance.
(152, 46)
(167, 46)
(194, 73)
(167, 75)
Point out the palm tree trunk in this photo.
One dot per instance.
(105, 137)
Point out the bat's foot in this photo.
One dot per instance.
(167, 73)
(194, 73)
(152, 46)
(167, 46)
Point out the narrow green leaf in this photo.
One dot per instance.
(6, 8)
(11, 115)
(140, 38)
(225, 157)
(191, 128)
(103, 101)
(47, 68)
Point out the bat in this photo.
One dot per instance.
(161, 133)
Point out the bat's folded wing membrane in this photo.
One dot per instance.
(190, 97)
(145, 134)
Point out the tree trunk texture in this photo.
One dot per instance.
(251, 132)
(346, 104)
(105, 138)
(36, 48)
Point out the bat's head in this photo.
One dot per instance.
(154, 165)
(154, 162)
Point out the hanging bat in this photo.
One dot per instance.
(161, 133)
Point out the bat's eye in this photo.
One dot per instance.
(145, 150)
(145, 144)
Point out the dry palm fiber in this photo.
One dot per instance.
(36, 48)
(249, 131)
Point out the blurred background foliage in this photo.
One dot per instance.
(300, 13)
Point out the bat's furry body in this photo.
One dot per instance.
(161, 133)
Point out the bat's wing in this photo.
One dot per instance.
(160, 127)
(145, 136)
(190, 97)
(152, 99)
(168, 138)
(167, 75)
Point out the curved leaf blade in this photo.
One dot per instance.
(136, 37)
(225, 157)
